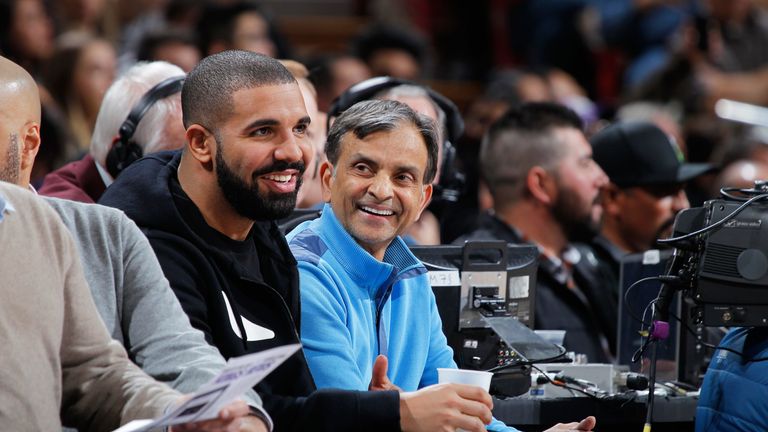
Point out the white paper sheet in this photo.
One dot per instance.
(239, 375)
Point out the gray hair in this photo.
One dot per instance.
(520, 140)
(370, 116)
(122, 95)
(409, 90)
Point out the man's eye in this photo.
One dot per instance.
(260, 132)
(300, 129)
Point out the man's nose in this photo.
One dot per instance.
(601, 179)
(290, 150)
(381, 187)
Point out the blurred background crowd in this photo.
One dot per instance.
(696, 68)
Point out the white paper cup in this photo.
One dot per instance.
(480, 379)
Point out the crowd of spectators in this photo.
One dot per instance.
(660, 91)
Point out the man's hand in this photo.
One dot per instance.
(379, 380)
(252, 424)
(585, 425)
(445, 407)
(229, 420)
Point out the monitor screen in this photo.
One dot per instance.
(633, 268)
(476, 281)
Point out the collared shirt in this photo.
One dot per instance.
(5, 207)
(103, 174)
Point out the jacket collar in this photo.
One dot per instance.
(363, 268)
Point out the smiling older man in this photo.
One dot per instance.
(369, 318)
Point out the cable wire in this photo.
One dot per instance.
(566, 386)
(717, 224)
(530, 362)
(718, 347)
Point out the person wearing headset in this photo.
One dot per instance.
(449, 180)
(140, 114)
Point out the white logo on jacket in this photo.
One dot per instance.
(253, 332)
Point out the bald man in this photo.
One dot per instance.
(125, 279)
(19, 121)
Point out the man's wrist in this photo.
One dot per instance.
(262, 415)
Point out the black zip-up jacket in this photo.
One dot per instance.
(225, 299)
(586, 319)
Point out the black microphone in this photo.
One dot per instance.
(660, 319)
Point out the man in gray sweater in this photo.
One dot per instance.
(127, 284)
(59, 364)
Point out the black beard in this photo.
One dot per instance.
(577, 228)
(11, 171)
(247, 200)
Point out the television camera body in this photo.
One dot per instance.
(721, 258)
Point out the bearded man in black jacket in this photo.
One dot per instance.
(546, 186)
(209, 212)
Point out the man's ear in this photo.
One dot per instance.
(426, 198)
(326, 179)
(541, 185)
(200, 144)
(30, 145)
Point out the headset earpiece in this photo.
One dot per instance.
(124, 151)
(451, 183)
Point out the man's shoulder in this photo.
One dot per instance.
(306, 244)
(490, 228)
(93, 213)
(23, 201)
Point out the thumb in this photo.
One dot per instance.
(587, 424)
(379, 377)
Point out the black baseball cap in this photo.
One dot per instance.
(641, 154)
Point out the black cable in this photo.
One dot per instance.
(566, 386)
(717, 224)
(718, 347)
(651, 386)
(726, 192)
(662, 278)
(530, 362)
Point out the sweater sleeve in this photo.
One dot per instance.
(101, 388)
(324, 333)
(159, 336)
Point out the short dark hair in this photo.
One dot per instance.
(370, 116)
(521, 139)
(206, 97)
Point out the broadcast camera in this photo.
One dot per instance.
(721, 259)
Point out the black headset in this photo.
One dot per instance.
(452, 179)
(124, 151)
